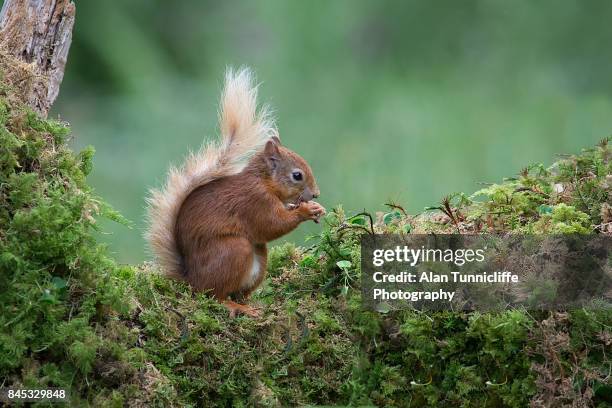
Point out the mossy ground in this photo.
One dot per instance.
(115, 335)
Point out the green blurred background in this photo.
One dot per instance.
(400, 100)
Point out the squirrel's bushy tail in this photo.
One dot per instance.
(244, 130)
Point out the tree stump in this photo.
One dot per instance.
(35, 37)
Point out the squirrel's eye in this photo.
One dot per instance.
(297, 175)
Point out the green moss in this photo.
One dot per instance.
(56, 283)
(563, 219)
(113, 335)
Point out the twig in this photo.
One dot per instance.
(397, 207)
(184, 326)
(367, 214)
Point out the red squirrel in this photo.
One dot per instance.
(210, 223)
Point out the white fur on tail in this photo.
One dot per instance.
(244, 130)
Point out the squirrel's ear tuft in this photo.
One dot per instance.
(272, 153)
(276, 138)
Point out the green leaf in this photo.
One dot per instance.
(388, 218)
(58, 282)
(47, 297)
(545, 209)
(344, 264)
(383, 308)
(357, 220)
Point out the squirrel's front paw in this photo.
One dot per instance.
(312, 210)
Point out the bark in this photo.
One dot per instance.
(35, 37)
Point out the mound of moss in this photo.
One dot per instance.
(116, 336)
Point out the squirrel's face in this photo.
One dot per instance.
(291, 174)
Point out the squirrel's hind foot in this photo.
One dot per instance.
(236, 308)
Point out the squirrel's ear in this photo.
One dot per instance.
(275, 137)
(272, 153)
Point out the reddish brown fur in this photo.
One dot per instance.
(222, 225)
